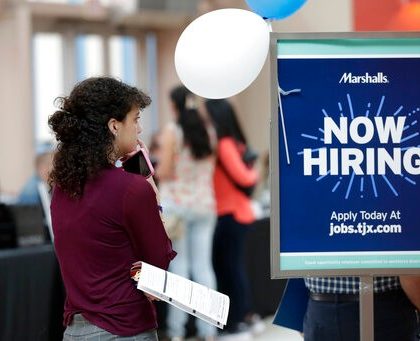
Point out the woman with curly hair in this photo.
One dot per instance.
(104, 219)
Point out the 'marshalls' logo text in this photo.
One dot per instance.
(348, 77)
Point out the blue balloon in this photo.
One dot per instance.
(275, 9)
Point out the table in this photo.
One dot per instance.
(266, 292)
(31, 294)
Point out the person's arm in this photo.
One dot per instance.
(166, 165)
(144, 225)
(411, 286)
(232, 162)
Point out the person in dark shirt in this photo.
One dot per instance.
(104, 219)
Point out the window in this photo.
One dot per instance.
(122, 52)
(48, 80)
(89, 56)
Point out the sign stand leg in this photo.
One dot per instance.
(366, 308)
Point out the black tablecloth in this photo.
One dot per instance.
(31, 294)
(266, 292)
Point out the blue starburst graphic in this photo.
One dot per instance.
(368, 186)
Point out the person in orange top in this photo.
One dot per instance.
(230, 172)
(233, 210)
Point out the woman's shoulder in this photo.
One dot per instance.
(136, 183)
(113, 184)
(127, 187)
(170, 128)
(130, 179)
(227, 144)
(117, 180)
(172, 131)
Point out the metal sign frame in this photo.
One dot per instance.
(276, 271)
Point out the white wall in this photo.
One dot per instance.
(16, 115)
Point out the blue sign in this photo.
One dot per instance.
(348, 197)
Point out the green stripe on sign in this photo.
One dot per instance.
(348, 46)
(305, 262)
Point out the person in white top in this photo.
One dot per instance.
(185, 174)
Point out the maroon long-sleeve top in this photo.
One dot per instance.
(97, 238)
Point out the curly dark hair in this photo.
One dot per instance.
(85, 144)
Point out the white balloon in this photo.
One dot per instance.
(222, 52)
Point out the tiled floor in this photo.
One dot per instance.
(271, 333)
(276, 333)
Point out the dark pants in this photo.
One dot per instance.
(395, 320)
(229, 267)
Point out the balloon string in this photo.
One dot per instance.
(285, 93)
(283, 125)
(268, 21)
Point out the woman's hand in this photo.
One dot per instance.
(141, 144)
(150, 297)
(127, 156)
(165, 170)
(150, 179)
(135, 272)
